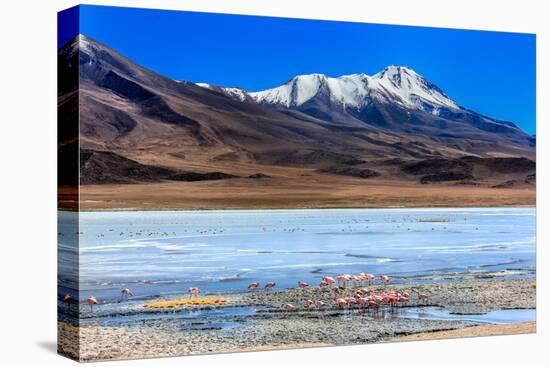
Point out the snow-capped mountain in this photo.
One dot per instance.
(396, 98)
(396, 84)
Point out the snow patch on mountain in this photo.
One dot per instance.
(412, 89)
(236, 93)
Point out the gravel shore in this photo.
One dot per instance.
(270, 328)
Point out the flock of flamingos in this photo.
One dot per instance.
(360, 298)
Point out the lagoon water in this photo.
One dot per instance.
(157, 253)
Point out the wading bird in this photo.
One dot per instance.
(320, 305)
(253, 286)
(92, 301)
(288, 307)
(193, 291)
(343, 278)
(125, 294)
(329, 280)
(68, 299)
(270, 285)
(385, 279)
(302, 284)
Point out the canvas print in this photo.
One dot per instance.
(233, 183)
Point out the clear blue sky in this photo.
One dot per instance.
(490, 72)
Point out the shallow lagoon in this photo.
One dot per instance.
(165, 252)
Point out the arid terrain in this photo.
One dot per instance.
(278, 194)
(134, 139)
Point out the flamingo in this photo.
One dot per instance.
(392, 300)
(288, 307)
(302, 284)
(374, 304)
(423, 297)
(362, 278)
(320, 305)
(125, 294)
(402, 299)
(310, 304)
(270, 285)
(369, 278)
(351, 301)
(340, 303)
(361, 291)
(323, 284)
(68, 299)
(92, 301)
(253, 286)
(193, 291)
(385, 279)
(343, 278)
(356, 279)
(329, 280)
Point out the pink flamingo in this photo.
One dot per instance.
(270, 285)
(125, 294)
(361, 277)
(362, 301)
(369, 278)
(329, 280)
(302, 284)
(68, 299)
(288, 307)
(92, 301)
(361, 291)
(320, 305)
(310, 304)
(385, 279)
(193, 291)
(343, 278)
(253, 286)
(423, 297)
(336, 290)
(374, 304)
(357, 280)
(341, 303)
(323, 284)
(392, 300)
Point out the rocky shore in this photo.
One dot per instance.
(271, 328)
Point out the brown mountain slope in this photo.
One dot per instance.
(140, 127)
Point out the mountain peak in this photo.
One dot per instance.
(398, 84)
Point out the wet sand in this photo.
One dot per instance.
(473, 331)
(271, 328)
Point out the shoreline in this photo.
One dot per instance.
(270, 328)
(514, 328)
(293, 192)
(177, 209)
